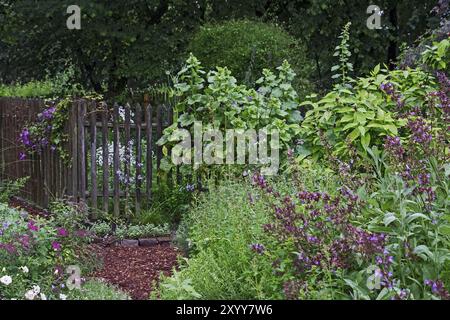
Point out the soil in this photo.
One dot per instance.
(33, 210)
(135, 270)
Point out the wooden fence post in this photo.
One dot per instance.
(116, 164)
(105, 157)
(82, 150)
(159, 124)
(127, 156)
(138, 177)
(73, 129)
(148, 155)
(93, 134)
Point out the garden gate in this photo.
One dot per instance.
(111, 153)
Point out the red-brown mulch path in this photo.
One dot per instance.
(33, 210)
(134, 269)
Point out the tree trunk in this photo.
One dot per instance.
(393, 44)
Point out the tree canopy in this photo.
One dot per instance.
(133, 43)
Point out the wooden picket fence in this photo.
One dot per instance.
(103, 142)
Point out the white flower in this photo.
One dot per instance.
(36, 289)
(4, 269)
(30, 295)
(62, 296)
(24, 269)
(6, 280)
(43, 296)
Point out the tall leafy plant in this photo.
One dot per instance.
(219, 102)
(342, 51)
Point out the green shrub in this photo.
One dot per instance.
(167, 206)
(69, 215)
(222, 265)
(101, 229)
(57, 87)
(34, 253)
(27, 90)
(361, 115)
(9, 188)
(217, 101)
(247, 47)
(141, 231)
(126, 231)
(437, 56)
(97, 290)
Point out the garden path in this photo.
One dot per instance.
(135, 270)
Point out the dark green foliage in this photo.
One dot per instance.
(120, 42)
(10, 188)
(247, 47)
(131, 44)
(168, 205)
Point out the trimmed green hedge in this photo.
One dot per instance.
(247, 47)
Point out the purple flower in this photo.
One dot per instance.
(25, 241)
(24, 137)
(312, 239)
(47, 114)
(32, 226)
(22, 156)
(62, 232)
(389, 89)
(437, 288)
(424, 179)
(421, 131)
(258, 248)
(10, 248)
(393, 145)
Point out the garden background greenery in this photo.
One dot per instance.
(360, 206)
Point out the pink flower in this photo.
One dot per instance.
(32, 226)
(62, 232)
(10, 248)
(56, 246)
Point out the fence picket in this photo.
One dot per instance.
(138, 177)
(127, 155)
(159, 125)
(93, 134)
(148, 154)
(74, 149)
(82, 150)
(105, 156)
(116, 162)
